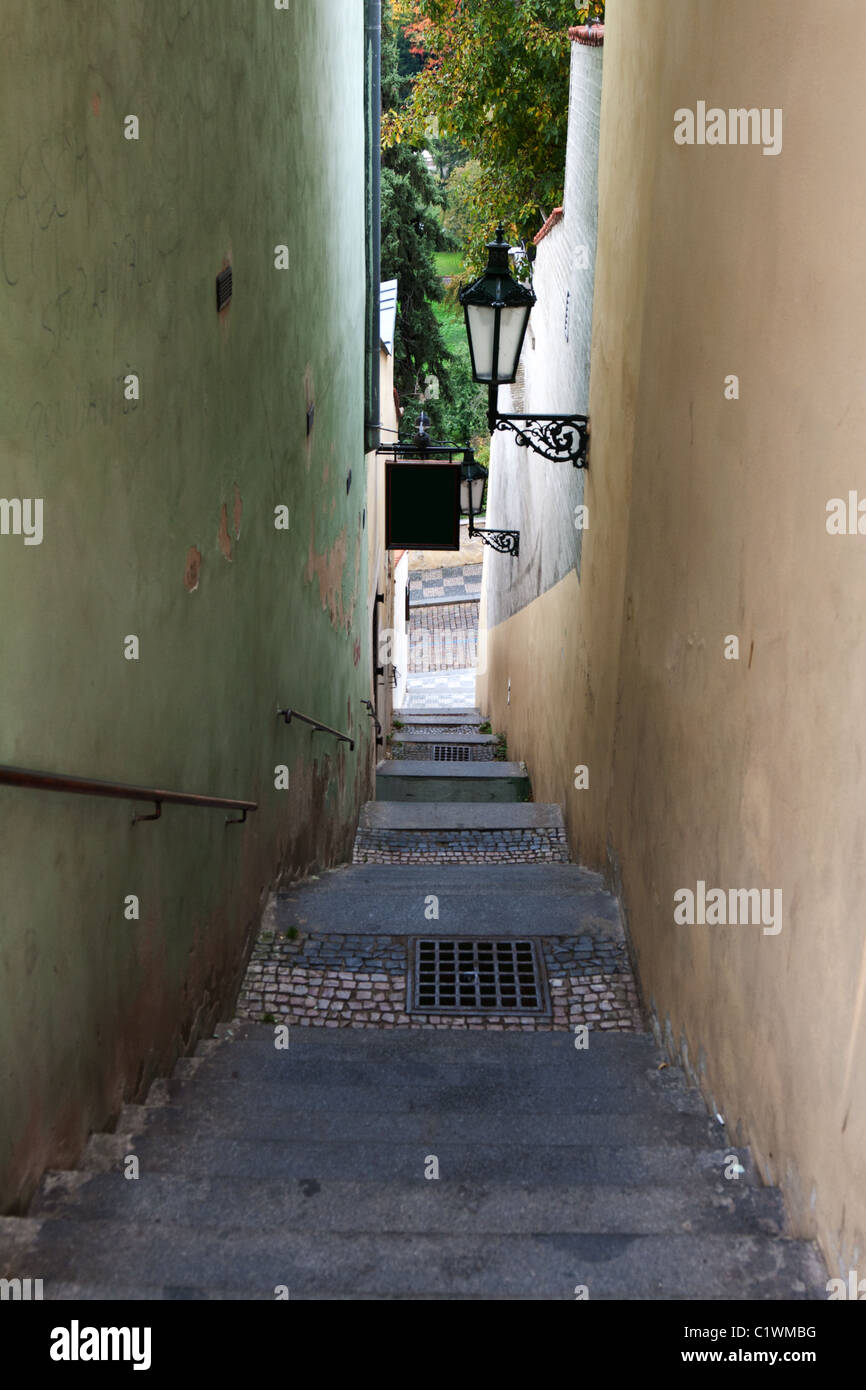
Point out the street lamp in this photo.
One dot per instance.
(497, 311)
(473, 476)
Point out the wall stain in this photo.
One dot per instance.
(192, 573)
(329, 567)
(224, 539)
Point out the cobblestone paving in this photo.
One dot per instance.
(446, 730)
(443, 637)
(547, 845)
(337, 981)
(459, 581)
(440, 690)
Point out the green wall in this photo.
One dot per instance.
(251, 136)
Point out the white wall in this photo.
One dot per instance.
(526, 492)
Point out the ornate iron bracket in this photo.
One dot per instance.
(506, 542)
(557, 438)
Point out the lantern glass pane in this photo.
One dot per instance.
(480, 320)
(511, 331)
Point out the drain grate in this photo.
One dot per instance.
(476, 976)
(451, 752)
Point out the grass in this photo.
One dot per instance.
(449, 263)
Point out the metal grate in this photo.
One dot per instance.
(451, 753)
(476, 976)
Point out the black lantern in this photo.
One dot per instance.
(497, 311)
(473, 477)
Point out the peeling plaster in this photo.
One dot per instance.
(192, 573)
(330, 569)
(224, 539)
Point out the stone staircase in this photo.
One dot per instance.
(466, 805)
(559, 1171)
(336, 1141)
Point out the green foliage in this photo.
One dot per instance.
(447, 154)
(449, 263)
(463, 200)
(411, 235)
(463, 415)
(496, 81)
(594, 9)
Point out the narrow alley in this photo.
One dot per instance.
(438, 1085)
(431, 672)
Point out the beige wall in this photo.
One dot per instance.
(707, 518)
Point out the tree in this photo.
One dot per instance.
(411, 235)
(496, 81)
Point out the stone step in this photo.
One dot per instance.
(474, 900)
(541, 846)
(412, 722)
(671, 1266)
(446, 832)
(443, 748)
(267, 1114)
(204, 1148)
(471, 715)
(629, 1056)
(407, 780)
(461, 815)
(324, 1092)
(455, 1208)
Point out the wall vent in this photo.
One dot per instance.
(224, 288)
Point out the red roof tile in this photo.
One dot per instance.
(582, 33)
(555, 216)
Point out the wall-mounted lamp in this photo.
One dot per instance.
(497, 311)
(473, 476)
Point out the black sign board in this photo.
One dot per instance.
(422, 505)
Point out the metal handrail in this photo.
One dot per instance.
(318, 728)
(120, 791)
(371, 710)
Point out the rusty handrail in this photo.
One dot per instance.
(318, 728)
(120, 791)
